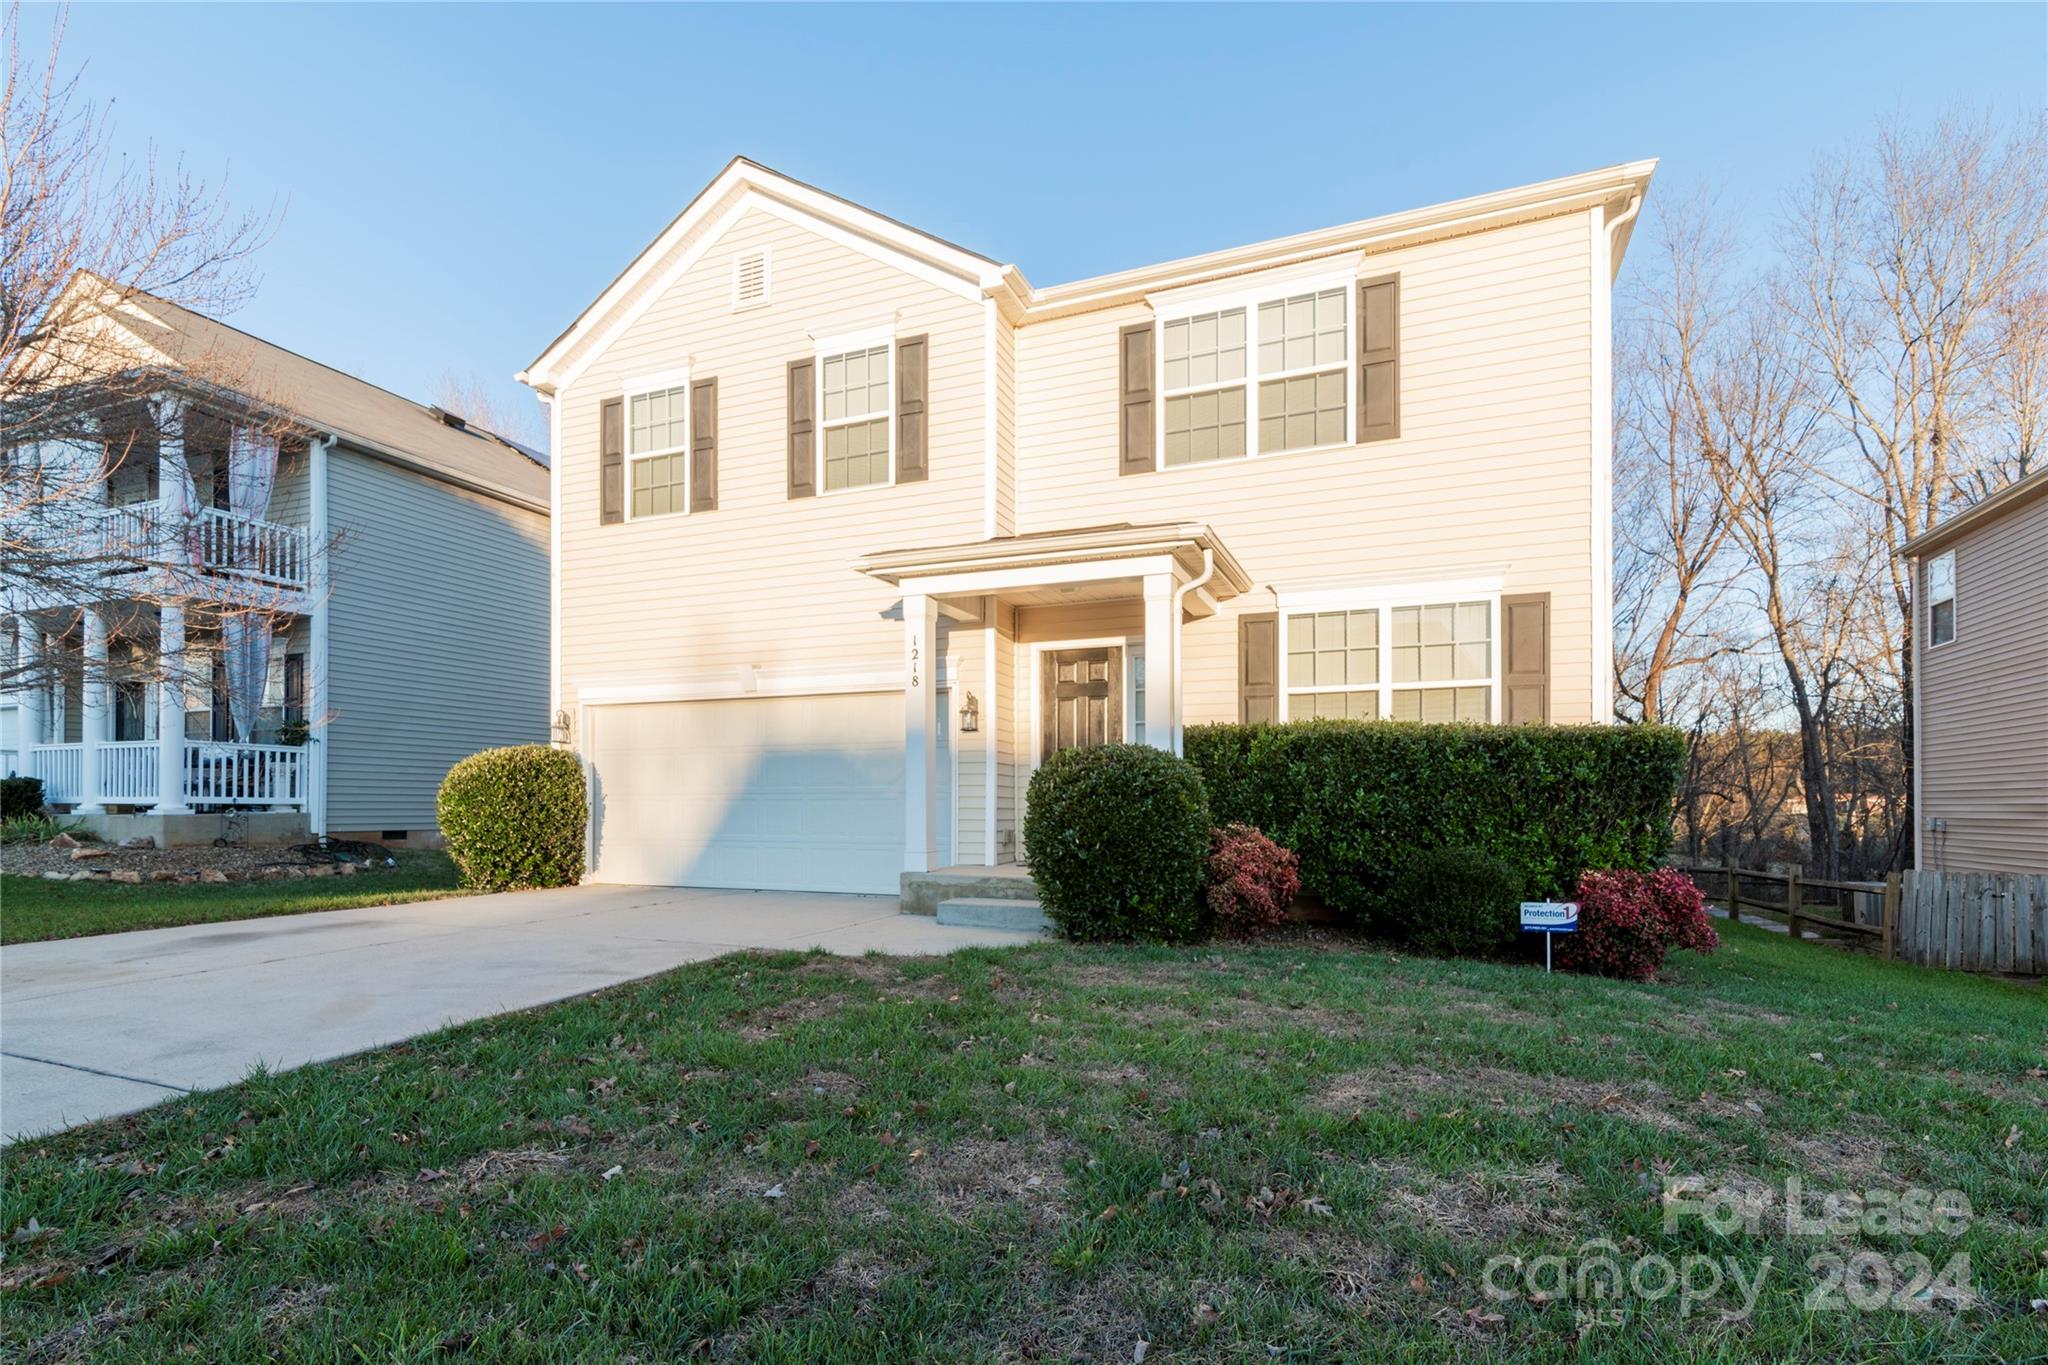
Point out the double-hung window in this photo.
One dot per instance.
(854, 406)
(657, 449)
(1424, 661)
(1259, 375)
(1941, 598)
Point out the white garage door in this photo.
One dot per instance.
(771, 793)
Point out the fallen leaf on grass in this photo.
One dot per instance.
(614, 1173)
(772, 1192)
(2012, 1136)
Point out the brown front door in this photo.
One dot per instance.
(1082, 698)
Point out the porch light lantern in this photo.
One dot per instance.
(970, 715)
(560, 729)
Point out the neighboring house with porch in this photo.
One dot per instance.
(295, 607)
(854, 526)
(1980, 685)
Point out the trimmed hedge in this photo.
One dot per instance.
(20, 796)
(1118, 840)
(514, 818)
(1358, 799)
(1456, 902)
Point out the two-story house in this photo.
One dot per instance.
(1980, 684)
(854, 526)
(280, 611)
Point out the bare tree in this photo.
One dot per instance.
(1673, 529)
(1913, 286)
(471, 398)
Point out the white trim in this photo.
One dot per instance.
(1601, 266)
(1035, 684)
(990, 460)
(767, 255)
(1382, 600)
(1241, 291)
(554, 406)
(319, 651)
(848, 343)
(728, 684)
(989, 747)
(1251, 301)
(979, 581)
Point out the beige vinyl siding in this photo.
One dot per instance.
(1006, 428)
(764, 580)
(1492, 473)
(965, 672)
(1984, 703)
(437, 638)
(1009, 800)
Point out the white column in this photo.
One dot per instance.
(170, 714)
(173, 486)
(34, 694)
(95, 712)
(920, 731)
(1161, 667)
(316, 653)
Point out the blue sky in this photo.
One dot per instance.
(457, 182)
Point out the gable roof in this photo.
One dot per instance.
(355, 411)
(744, 182)
(2010, 498)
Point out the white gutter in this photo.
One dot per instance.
(1180, 595)
(1627, 216)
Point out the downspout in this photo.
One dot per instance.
(1627, 216)
(1180, 595)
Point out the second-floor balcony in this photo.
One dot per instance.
(153, 546)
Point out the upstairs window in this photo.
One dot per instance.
(657, 450)
(1941, 598)
(854, 407)
(1264, 375)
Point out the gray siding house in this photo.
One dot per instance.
(1980, 691)
(399, 563)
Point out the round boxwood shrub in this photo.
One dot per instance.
(514, 818)
(1118, 840)
(1455, 902)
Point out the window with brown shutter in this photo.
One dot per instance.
(1379, 358)
(611, 461)
(912, 460)
(1525, 659)
(704, 445)
(1258, 667)
(1135, 344)
(803, 428)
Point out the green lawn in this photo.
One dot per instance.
(1302, 1153)
(32, 909)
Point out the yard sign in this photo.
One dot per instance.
(1547, 918)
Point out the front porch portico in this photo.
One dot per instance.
(1165, 575)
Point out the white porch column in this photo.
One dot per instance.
(95, 712)
(1161, 667)
(170, 712)
(315, 773)
(920, 731)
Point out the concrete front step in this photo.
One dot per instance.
(989, 912)
(922, 891)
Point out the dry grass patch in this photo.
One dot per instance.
(1515, 1092)
(967, 1176)
(1488, 1207)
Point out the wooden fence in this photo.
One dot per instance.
(1971, 921)
(1975, 921)
(1863, 910)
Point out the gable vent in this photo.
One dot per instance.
(749, 280)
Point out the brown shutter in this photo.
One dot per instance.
(1258, 667)
(704, 445)
(1135, 409)
(912, 462)
(1525, 659)
(803, 428)
(611, 461)
(1379, 358)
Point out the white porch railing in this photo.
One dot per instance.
(62, 769)
(214, 774)
(128, 772)
(244, 775)
(262, 551)
(215, 540)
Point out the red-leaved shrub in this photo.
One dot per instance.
(1629, 920)
(1252, 880)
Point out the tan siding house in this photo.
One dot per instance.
(1980, 702)
(853, 526)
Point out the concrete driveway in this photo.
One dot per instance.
(96, 1026)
